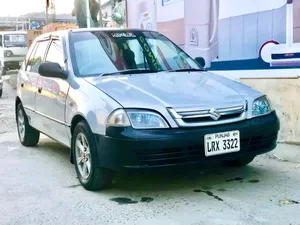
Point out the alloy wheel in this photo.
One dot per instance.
(83, 156)
(21, 124)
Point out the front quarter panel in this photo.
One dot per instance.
(91, 103)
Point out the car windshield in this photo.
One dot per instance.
(15, 40)
(104, 52)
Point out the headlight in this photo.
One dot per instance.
(261, 106)
(118, 118)
(138, 119)
(8, 53)
(143, 119)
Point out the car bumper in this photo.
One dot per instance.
(13, 64)
(129, 148)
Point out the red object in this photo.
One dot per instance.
(268, 42)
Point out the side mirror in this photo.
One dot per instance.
(200, 61)
(50, 69)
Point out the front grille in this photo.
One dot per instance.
(209, 119)
(169, 156)
(198, 117)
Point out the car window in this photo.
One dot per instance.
(55, 53)
(93, 53)
(29, 57)
(0, 40)
(91, 58)
(168, 55)
(37, 58)
(15, 40)
(140, 59)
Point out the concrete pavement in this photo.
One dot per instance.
(39, 186)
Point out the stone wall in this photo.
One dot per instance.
(285, 96)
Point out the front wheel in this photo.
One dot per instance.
(239, 162)
(1, 92)
(28, 136)
(90, 174)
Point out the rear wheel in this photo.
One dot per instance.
(1, 92)
(28, 136)
(90, 174)
(239, 162)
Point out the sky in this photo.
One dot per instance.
(20, 7)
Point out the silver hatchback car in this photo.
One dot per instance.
(132, 99)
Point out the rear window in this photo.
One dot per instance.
(15, 40)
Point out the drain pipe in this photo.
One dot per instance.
(88, 15)
(289, 23)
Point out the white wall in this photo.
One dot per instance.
(230, 8)
(172, 11)
(241, 37)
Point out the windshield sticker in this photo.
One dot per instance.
(149, 53)
(123, 34)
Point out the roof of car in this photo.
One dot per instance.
(12, 32)
(65, 32)
(106, 29)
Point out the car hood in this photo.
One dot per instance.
(174, 89)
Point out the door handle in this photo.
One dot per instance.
(40, 90)
(22, 84)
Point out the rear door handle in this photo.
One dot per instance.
(40, 89)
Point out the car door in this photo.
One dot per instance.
(51, 98)
(27, 79)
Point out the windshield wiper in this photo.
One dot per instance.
(133, 71)
(187, 70)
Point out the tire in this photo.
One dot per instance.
(239, 162)
(28, 136)
(1, 92)
(90, 174)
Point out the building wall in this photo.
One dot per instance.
(241, 37)
(284, 94)
(296, 20)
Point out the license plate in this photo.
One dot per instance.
(20, 63)
(222, 143)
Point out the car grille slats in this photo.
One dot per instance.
(191, 117)
(194, 153)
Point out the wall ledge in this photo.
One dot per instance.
(259, 74)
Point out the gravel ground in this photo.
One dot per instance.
(39, 186)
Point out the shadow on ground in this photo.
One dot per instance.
(176, 179)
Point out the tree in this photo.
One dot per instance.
(80, 12)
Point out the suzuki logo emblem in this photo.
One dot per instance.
(214, 114)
